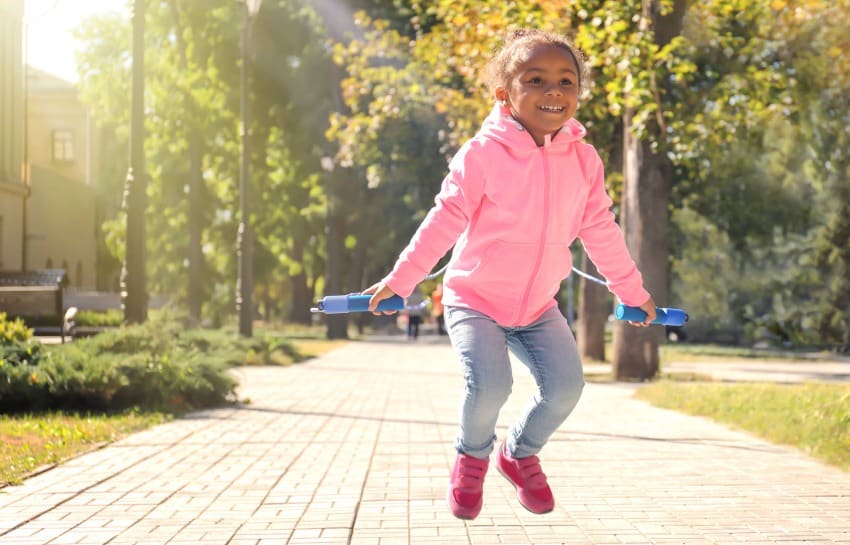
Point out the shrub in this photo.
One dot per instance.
(13, 330)
(154, 366)
(94, 318)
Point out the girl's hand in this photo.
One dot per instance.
(649, 308)
(380, 292)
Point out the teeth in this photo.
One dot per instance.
(552, 108)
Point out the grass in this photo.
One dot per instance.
(313, 348)
(714, 353)
(708, 353)
(308, 341)
(30, 442)
(812, 417)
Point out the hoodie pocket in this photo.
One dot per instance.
(504, 271)
(555, 265)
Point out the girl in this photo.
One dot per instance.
(516, 196)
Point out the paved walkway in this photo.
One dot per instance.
(355, 448)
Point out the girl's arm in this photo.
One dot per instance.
(604, 243)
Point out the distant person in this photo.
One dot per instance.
(437, 309)
(515, 198)
(414, 306)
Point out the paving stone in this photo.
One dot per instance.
(355, 448)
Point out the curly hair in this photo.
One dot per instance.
(518, 43)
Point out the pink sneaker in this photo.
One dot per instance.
(466, 488)
(527, 476)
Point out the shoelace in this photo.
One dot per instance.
(531, 472)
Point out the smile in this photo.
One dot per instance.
(555, 109)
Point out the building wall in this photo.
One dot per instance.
(62, 230)
(11, 135)
(59, 124)
(62, 214)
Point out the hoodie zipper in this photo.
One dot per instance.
(541, 242)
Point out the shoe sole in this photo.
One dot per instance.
(516, 489)
(460, 516)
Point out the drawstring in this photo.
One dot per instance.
(578, 272)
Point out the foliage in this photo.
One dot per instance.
(748, 103)
(16, 343)
(703, 269)
(13, 330)
(92, 318)
(760, 160)
(192, 91)
(158, 365)
(812, 417)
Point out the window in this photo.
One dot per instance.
(63, 146)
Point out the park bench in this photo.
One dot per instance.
(36, 297)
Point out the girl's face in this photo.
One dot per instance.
(542, 93)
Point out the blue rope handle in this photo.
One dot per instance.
(355, 302)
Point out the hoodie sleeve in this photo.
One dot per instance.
(459, 198)
(604, 243)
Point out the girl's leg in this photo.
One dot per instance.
(482, 350)
(547, 347)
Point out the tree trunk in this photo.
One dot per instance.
(646, 194)
(302, 296)
(593, 311)
(195, 278)
(337, 324)
(647, 182)
(195, 213)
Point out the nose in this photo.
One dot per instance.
(554, 90)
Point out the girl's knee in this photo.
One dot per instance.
(490, 390)
(564, 395)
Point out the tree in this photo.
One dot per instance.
(294, 86)
(647, 180)
(193, 145)
(186, 126)
(819, 39)
(593, 310)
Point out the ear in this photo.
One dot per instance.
(501, 95)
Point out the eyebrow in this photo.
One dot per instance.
(567, 70)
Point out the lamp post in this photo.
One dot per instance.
(244, 239)
(134, 298)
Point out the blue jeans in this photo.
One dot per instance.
(547, 347)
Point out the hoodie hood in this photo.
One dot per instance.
(502, 127)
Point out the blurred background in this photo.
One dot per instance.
(327, 125)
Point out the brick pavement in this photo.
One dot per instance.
(355, 448)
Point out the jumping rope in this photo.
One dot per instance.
(357, 302)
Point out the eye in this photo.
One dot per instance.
(536, 80)
(566, 82)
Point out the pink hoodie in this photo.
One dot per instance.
(512, 209)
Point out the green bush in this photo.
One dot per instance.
(13, 330)
(94, 318)
(154, 366)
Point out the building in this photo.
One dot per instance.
(49, 170)
(62, 215)
(13, 188)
